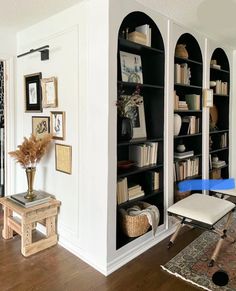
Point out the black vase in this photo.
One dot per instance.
(124, 129)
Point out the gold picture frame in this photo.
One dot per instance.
(58, 124)
(40, 126)
(49, 92)
(63, 157)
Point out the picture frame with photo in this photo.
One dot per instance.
(63, 158)
(131, 68)
(40, 126)
(137, 115)
(58, 124)
(33, 93)
(49, 92)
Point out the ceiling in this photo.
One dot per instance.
(19, 14)
(215, 18)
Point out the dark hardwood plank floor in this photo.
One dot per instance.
(56, 269)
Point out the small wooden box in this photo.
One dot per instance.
(215, 174)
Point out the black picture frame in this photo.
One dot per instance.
(33, 93)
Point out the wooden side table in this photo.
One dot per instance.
(45, 213)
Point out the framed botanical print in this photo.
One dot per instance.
(40, 125)
(49, 92)
(58, 124)
(33, 96)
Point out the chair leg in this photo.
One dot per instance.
(221, 240)
(175, 234)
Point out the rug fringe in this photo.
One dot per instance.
(181, 277)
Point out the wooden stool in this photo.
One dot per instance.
(46, 212)
(203, 211)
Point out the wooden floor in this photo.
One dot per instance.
(56, 269)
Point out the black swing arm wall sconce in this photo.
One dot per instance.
(44, 50)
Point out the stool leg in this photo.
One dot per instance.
(175, 234)
(7, 232)
(221, 240)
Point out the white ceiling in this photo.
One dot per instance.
(19, 14)
(215, 18)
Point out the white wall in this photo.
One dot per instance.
(78, 41)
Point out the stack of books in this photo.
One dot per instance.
(182, 74)
(144, 154)
(178, 104)
(135, 192)
(183, 155)
(122, 190)
(152, 179)
(138, 37)
(218, 164)
(41, 197)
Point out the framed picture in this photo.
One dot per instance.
(63, 158)
(33, 96)
(40, 125)
(131, 68)
(137, 116)
(58, 124)
(49, 92)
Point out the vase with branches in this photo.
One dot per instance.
(28, 155)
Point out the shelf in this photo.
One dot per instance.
(145, 197)
(125, 43)
(187, 135)
(219, 70)
(137, 170)
(225, 166)
(220, 95)
(219, 150)
(190, 178)
(128, 84)
(219, 131)
(188, 86)
(187, 111)
(138, 141)
(188, 61)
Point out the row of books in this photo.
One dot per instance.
(182, 74)
(124, 193)
(221, 87)
(142, 35)
(191, 102)
(224, 140)
(186, 168)
(190, 125)
(144, 154)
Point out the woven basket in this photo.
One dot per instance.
(134, 226)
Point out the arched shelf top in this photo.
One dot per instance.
(138, 18)
(221, 58)
(192, 47)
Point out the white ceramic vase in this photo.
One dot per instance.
(181, 148)
(177, 123)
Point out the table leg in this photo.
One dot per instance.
(51, 226)
(26, 238)
(7, 232)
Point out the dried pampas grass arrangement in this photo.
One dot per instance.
(30, 152)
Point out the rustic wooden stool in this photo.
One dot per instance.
(44, 213)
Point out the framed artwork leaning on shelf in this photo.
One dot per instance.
(33, 96)
(40, 125)
(63, 156)
(131, 68)
(49, 92)
(58, 124)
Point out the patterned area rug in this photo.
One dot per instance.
(191, 264)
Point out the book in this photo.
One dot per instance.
(131, 68)
(137, 37)
(183, 154)
(140, 194)
(42, 197)
(122, 190)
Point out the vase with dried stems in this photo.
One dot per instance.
(28, 155)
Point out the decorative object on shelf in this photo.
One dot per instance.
(33, 96)
(212, 83)
(63, 158)
(181, 148)
(137, 219)
(131, 68)
(58, 124)
(177, 123)
(208, 97)
(124, 128)
(213, 117)
(28, 155)
(40, 126)
(181, 51)
(125, 164)
(49, 92)
(210, 143)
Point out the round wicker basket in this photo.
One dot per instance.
(134, 226)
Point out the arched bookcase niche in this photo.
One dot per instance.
(219, 126)
(147, 50)
(188, 72)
